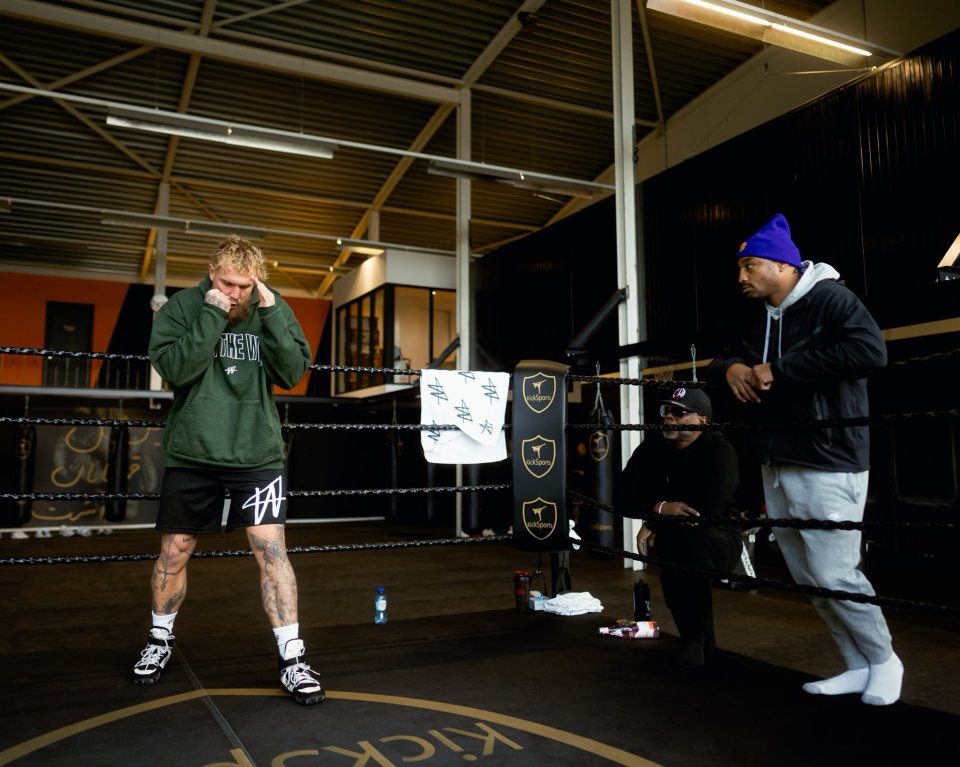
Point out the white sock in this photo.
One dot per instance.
(285, 633)
(164, 621)
(854, 680)
(885, 681)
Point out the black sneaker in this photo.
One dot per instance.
(153, 657)
(297, 677)
(691, 655)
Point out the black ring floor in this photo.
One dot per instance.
(456, 676)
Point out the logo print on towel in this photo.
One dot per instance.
(539, 454)
(463, 412)
(540, 518)
(538, 391)
(261, 500)
(490, 391)
(437, 390)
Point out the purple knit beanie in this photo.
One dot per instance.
(773, 243)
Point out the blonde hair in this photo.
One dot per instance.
(242, 255)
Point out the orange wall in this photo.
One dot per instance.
(312, 314)
(23, 318)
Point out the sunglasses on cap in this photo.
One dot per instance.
(674, 410)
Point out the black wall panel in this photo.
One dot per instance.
(867, 177)
(533, 297)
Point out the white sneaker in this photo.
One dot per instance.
(153, 657)
(297, 677)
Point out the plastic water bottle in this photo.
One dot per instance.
(380, 606)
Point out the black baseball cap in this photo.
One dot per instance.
(694, 400)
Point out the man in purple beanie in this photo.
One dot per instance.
(808, 361)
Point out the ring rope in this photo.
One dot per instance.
(797, 524)
(818, 424)
(162, 424)
(824, 423)
(289, 493)
(893, 602)
(761, 582)
(404, 371)
(99, 558)
(799, 588)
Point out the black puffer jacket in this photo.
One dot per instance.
(821, 343)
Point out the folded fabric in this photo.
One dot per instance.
(573, 603)
(474, 402)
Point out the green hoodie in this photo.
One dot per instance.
(223, 413)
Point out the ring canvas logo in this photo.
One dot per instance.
(599, 446)
(539, 391)
(539, 454)
(540, 517)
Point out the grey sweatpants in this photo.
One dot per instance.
(829, 558)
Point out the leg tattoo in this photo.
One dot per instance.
(278, 584)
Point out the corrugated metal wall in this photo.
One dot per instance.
(867, 177)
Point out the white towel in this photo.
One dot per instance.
(573, 603)
(473, 401)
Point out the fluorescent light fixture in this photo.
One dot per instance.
(147, 221)
(751, 21)
(150, 221)
(221, 131)
(540, 182)
(362, 247)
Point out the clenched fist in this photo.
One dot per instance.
(216, 298)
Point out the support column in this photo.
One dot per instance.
(632, 316)
(160, 269)
(464, 303)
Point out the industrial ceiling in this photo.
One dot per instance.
(379, 78)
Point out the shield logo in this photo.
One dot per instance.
(540, 518)
(599, 445)
(539, 455)
(539, 391)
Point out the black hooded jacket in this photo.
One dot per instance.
(821, 343)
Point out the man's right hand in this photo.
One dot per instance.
(216, 298)
(739, 378)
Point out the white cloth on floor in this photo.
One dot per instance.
(573, 603)
(474, 402)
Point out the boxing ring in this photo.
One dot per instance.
(497, 690)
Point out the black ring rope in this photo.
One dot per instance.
(100, 558)
(818, 424)
(824, 423)
(162, 424)
(750, 523)
(289, 493)
(816, 591)
(764, 522)
(404, 371)
(880, 601)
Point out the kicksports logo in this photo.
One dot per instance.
(539, 391)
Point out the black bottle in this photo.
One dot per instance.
(641, 601)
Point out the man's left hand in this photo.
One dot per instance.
(762, 377)
(644, 536)
(266, 297)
